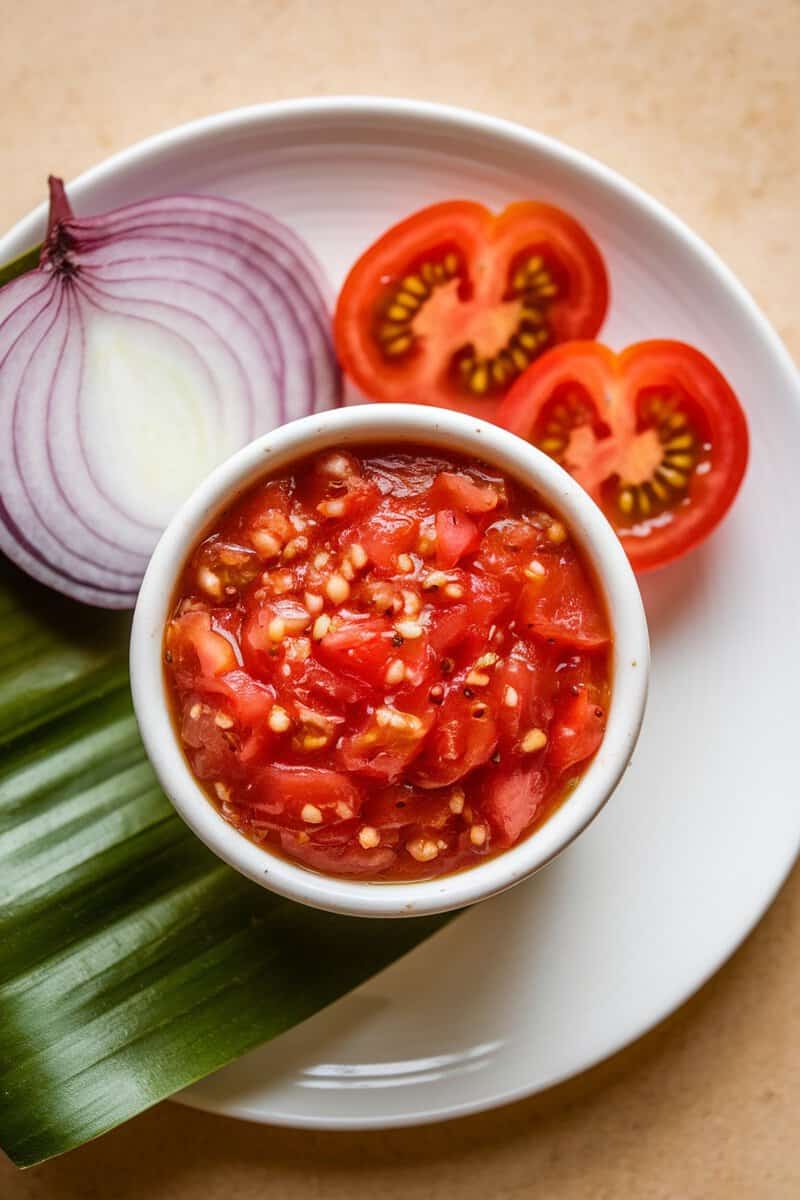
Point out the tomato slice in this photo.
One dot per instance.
(451, 305)
(655, 435)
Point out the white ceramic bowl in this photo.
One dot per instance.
(390, 424)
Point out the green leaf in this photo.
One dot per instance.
(26, 262)
(132, 962)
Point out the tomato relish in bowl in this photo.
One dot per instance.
(388, 665)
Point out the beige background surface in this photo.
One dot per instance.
(699, 102)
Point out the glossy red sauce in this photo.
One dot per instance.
(388, 665)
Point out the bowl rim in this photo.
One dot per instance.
(393, 423)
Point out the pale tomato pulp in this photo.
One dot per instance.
(388, 665)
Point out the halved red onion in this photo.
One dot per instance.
(151, 343)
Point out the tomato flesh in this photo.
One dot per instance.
(512, 802)
(655, 435)
(456, 535)
(409, 681)
(452, 304)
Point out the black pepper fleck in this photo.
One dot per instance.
(397, 640)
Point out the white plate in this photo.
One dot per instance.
(541, 983)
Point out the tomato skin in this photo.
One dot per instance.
(613, 385)
(487, 246)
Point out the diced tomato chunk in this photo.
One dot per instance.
(359, 646)
(386, 534)
(248, 700)
(388, 808)
(560, 607)
(384, 747)
(459, 741)
(577, 731)
(348, 859)
(511, 800)
(459, 491)
(490, 599)
(212, 750)
(521, 689)
(449, 626)
(307, 796)
(456, 536)
(194, 645)
(314, 684)
(399, 806)
(365, 647)
(508, 544)
(336, 489)
(224, 567)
